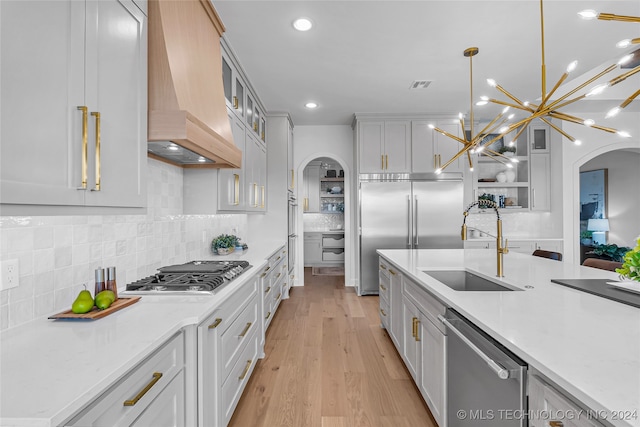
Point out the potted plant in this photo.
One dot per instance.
(612, 252)
(630, 269)
(224, 244)
(586, 237)
(507, 151)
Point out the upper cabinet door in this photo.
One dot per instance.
(116, 70)
(231, 182)
(539, 137)
(397, 146)
(74, 74)
(371, 146)
(423, 157)
(42, 86)
(446, 148)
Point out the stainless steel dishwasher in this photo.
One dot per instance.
(486, 383)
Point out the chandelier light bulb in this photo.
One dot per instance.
(504, 111)
(470, 169)
(460, 116)
(515, 161)
(598, 89)
(431, 126)
(492, 83)
(512, 144)
(625, 59)
(511, 116)
(613, 112)
(481, 103)
(572, 66)
(589, 122)
(624, 43)
(577, 142)
(509, 165)
(438, 171)
(503, 129)
(624, 134)
(588, 14)
(526, 103)
(480, 149)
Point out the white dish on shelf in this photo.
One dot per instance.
(627, 285)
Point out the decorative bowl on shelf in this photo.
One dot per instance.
(336, 190)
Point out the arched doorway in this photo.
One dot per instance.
(324, 231)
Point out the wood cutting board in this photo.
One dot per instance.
(96, 313)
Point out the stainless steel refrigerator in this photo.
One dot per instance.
(406, 211)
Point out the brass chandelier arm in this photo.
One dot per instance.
(583, 85)
(560, 130)
(464, 133)
(630, 99)
(508, 104)
(624, 76)
(465, 149)
(557, 85)
(470, 161)
(612, 17)
(571, 101)
(577, 120)
(445, 133)
(505, 92)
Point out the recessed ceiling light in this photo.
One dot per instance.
(302, 24)
(311, 105)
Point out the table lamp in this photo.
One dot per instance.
(598, 227)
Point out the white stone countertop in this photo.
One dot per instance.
(588, 345)
(50, 369)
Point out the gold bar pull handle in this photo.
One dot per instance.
(263, 192)
(85, 125)
(386, 161)
(292, 180)
(255, 194)
(97, 116)
(156, 378)
(417, 330)
(246, 329)
(246, 369)
(435, 161)
(215, 323)
(268, 315)
(236, 189)
(382, 161)
(383, 313)
(235, 102)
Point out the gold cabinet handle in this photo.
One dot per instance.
(262, 189)
(246, 369)
(279, 295)
(413, 327)
(246, 329)
(386, 161)
(417, 329)
(268, 315)
(382, 287)
(383, 313)
(85, 131)
(278, 276)
(439, 160)
(236, 189)
(255, 126)
(277, 259)
(154, 380)
(435, 161)
(382, 161)
(392, 272)
(262, 136)
(97, 116)
(266, 291)
(262, 275)
(215, 323)
(382, 266)
(255, 195)
(292, 180)
(305, 204)
(235, 102)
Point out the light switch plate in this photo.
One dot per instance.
(10, 273)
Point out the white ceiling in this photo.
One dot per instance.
(361, 56)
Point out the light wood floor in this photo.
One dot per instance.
(329, 364)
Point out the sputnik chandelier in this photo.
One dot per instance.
(592, 14)
(547, 108)
(475, 143)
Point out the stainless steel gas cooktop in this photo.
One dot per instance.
(195, 277)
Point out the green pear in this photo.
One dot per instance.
(104, 299)
(83, 302)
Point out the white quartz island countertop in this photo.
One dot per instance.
(588, 345)
(50, 369)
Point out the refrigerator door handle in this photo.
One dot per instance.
(415, 223)
(409, 221)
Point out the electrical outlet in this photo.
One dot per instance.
(10, 274)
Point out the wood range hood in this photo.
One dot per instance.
(188, 121)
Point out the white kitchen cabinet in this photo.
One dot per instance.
(521, 246)
(290, 167)
(431, 150)
(395, 302)
(411, 349)
(311, 188)
(384, 285)
(228, 346)
(231, 182)
(255, 173)
(538, 137)
(384, 146)
(272, 277)
(546, 401)
(540, 182)
(234, 86)
(312, 249)
(74, 74)
(157, 384)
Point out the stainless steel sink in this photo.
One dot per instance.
(461, 280)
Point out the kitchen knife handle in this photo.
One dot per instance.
(156, 378)
(97, 116)
(85, 125)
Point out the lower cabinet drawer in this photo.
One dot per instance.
(333, 254)
(238, 378)
(384, 313)
(333, 241)
(125, 401)
(234, 338)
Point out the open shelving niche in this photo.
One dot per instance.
(330, 202)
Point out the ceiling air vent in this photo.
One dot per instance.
(420, 84)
